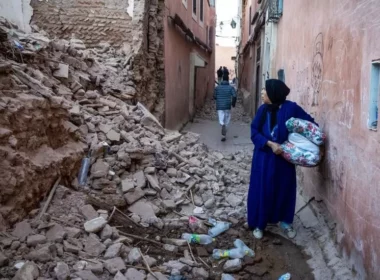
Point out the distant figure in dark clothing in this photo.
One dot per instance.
(220, 74)
(226, 73)
(225, 96)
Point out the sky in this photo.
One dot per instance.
(226, 10)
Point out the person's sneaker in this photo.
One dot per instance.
(224, 130)
(258, 233)
(223, 139)
(288, 229)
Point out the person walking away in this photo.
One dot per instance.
(225, 97)
(219, 73)
(272, 190)
(226, 73)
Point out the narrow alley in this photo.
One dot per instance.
(135, 135)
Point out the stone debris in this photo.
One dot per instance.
(232, 265)
(95, 225)
(29, 271)
(147, 173)
(62, 271)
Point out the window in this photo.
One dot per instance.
(184, 2)
(201, 10)
(211, 37)
(195, 9)
(281, 75)
(280, 6)
(249, 21)
(374, 95)
(258, 52)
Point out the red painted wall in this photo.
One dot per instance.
(326, 48)
(177, 62)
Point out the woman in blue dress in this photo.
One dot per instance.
(272, 190)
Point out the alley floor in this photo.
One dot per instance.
(312, 254)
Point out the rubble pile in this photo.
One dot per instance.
(48, 91)
(60, 102)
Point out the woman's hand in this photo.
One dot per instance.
(276, 148)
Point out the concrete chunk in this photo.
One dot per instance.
(95, 225)
(134, 195)
(88, 212)
(114, 265)
(62, 71)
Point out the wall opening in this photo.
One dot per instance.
(374, 95)
(281, 75)
(195, 9)
(201, 16)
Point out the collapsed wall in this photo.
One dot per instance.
(137, 29)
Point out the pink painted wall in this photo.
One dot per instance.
(341, 38)
(177, 62)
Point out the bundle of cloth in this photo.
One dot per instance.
(302, 147)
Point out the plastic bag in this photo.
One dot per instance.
(307, 129)
(303, 143)
(299, 156)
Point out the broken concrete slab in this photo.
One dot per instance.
(142, 208)
(62, 71)
(114, 265)
(134, 195)
(112, 135)
(93, 246)
(232, 265)
(95, 225)
(62, 271)
(153, 182)
(86, 275)
(33, 240)
(127, 185)
(134, 274)
(88, 212)
(99, 169)
(56, 233)
(22, 230)
(140, 179)
(41, 255)
(113, 251)
(29, 271)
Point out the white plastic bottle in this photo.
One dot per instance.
(227, 277)
(219, 227)
(197, 238)
(247, 251)
(235, 253)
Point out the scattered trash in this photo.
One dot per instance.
(247, 251)
(198, 210)
(83, 172)
(197, 238)
(227, 277)
(235, 253)
(219, 227)
(177, 277)
(286, 276)
(18, 45)
(196, 225)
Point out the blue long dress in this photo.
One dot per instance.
(272, 190)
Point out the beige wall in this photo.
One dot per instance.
(223, 58)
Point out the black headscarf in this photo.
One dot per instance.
(277, 92)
